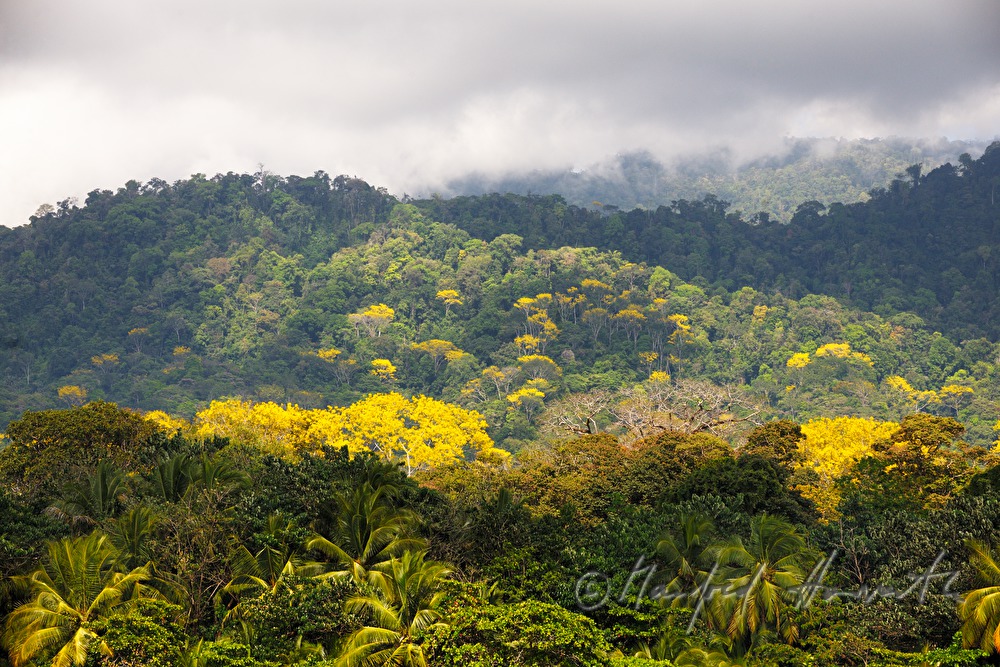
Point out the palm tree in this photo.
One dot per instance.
(77, 585)
(265, 570)
(406, 604)
(980, 609)
(684, 554)
(217, 477)
(91, 501)
(668, 646)
(364, 529)
(172, 477)
(760, 576)
(131, 535)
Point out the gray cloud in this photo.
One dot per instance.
(409, 95)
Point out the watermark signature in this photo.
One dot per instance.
(594, 589)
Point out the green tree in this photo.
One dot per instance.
(90, 502)
(406, 604)
(53, 448)
(362, 529)
(980, 608)
(77, 585)
(520, 634)
(264, 570)
(761, 575)
(684, 554)
(148, 634)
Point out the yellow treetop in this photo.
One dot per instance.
(525, 303)
(799, 360)
(899, 384)
(630, 314)
(101, 360)
(422, 432)
(328, 354)
(595, 285)
(450, 298)
(649, 358)
(527, 343)
(72, 394)
(439, 351)
(373, 320)
(167, 422)
(832, 351)
(843, 351)
(275, 429)
(536, 366)
(529, 399)
(840, 350)
(917, 398)
(383, 369)
(830, 448)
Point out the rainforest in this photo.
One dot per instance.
(253, 420)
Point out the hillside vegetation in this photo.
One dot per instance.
(169, 296)
(253, 421)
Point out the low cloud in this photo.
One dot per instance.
(411, 95)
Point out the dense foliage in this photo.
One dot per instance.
(319, 291)
(926, 243)
(365, 431)
(674, 549)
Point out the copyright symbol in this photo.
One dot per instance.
(592, 591)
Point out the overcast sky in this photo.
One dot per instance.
(409, 94)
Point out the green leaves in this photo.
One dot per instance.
(980, 609)
(406, 606)
(78, 584)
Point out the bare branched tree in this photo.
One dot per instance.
(688, 406)
(577, 414)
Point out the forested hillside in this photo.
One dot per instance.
(927, 244)
(253, 421)
(168, 296)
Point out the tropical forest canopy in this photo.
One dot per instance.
(260, 420)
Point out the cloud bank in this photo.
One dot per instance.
(410, 95)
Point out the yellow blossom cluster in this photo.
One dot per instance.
(421, 432)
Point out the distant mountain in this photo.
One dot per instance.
(824, 170)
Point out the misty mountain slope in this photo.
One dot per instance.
(825, 170)
(929, 244)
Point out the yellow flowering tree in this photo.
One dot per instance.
(279, 430)
(530, 399)
(167, 422)
(384, 370)
(830, 449)
(439, 351)
(449, 298)
(539, 367)
(421, 432)
(74, 395)
(372, 320)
